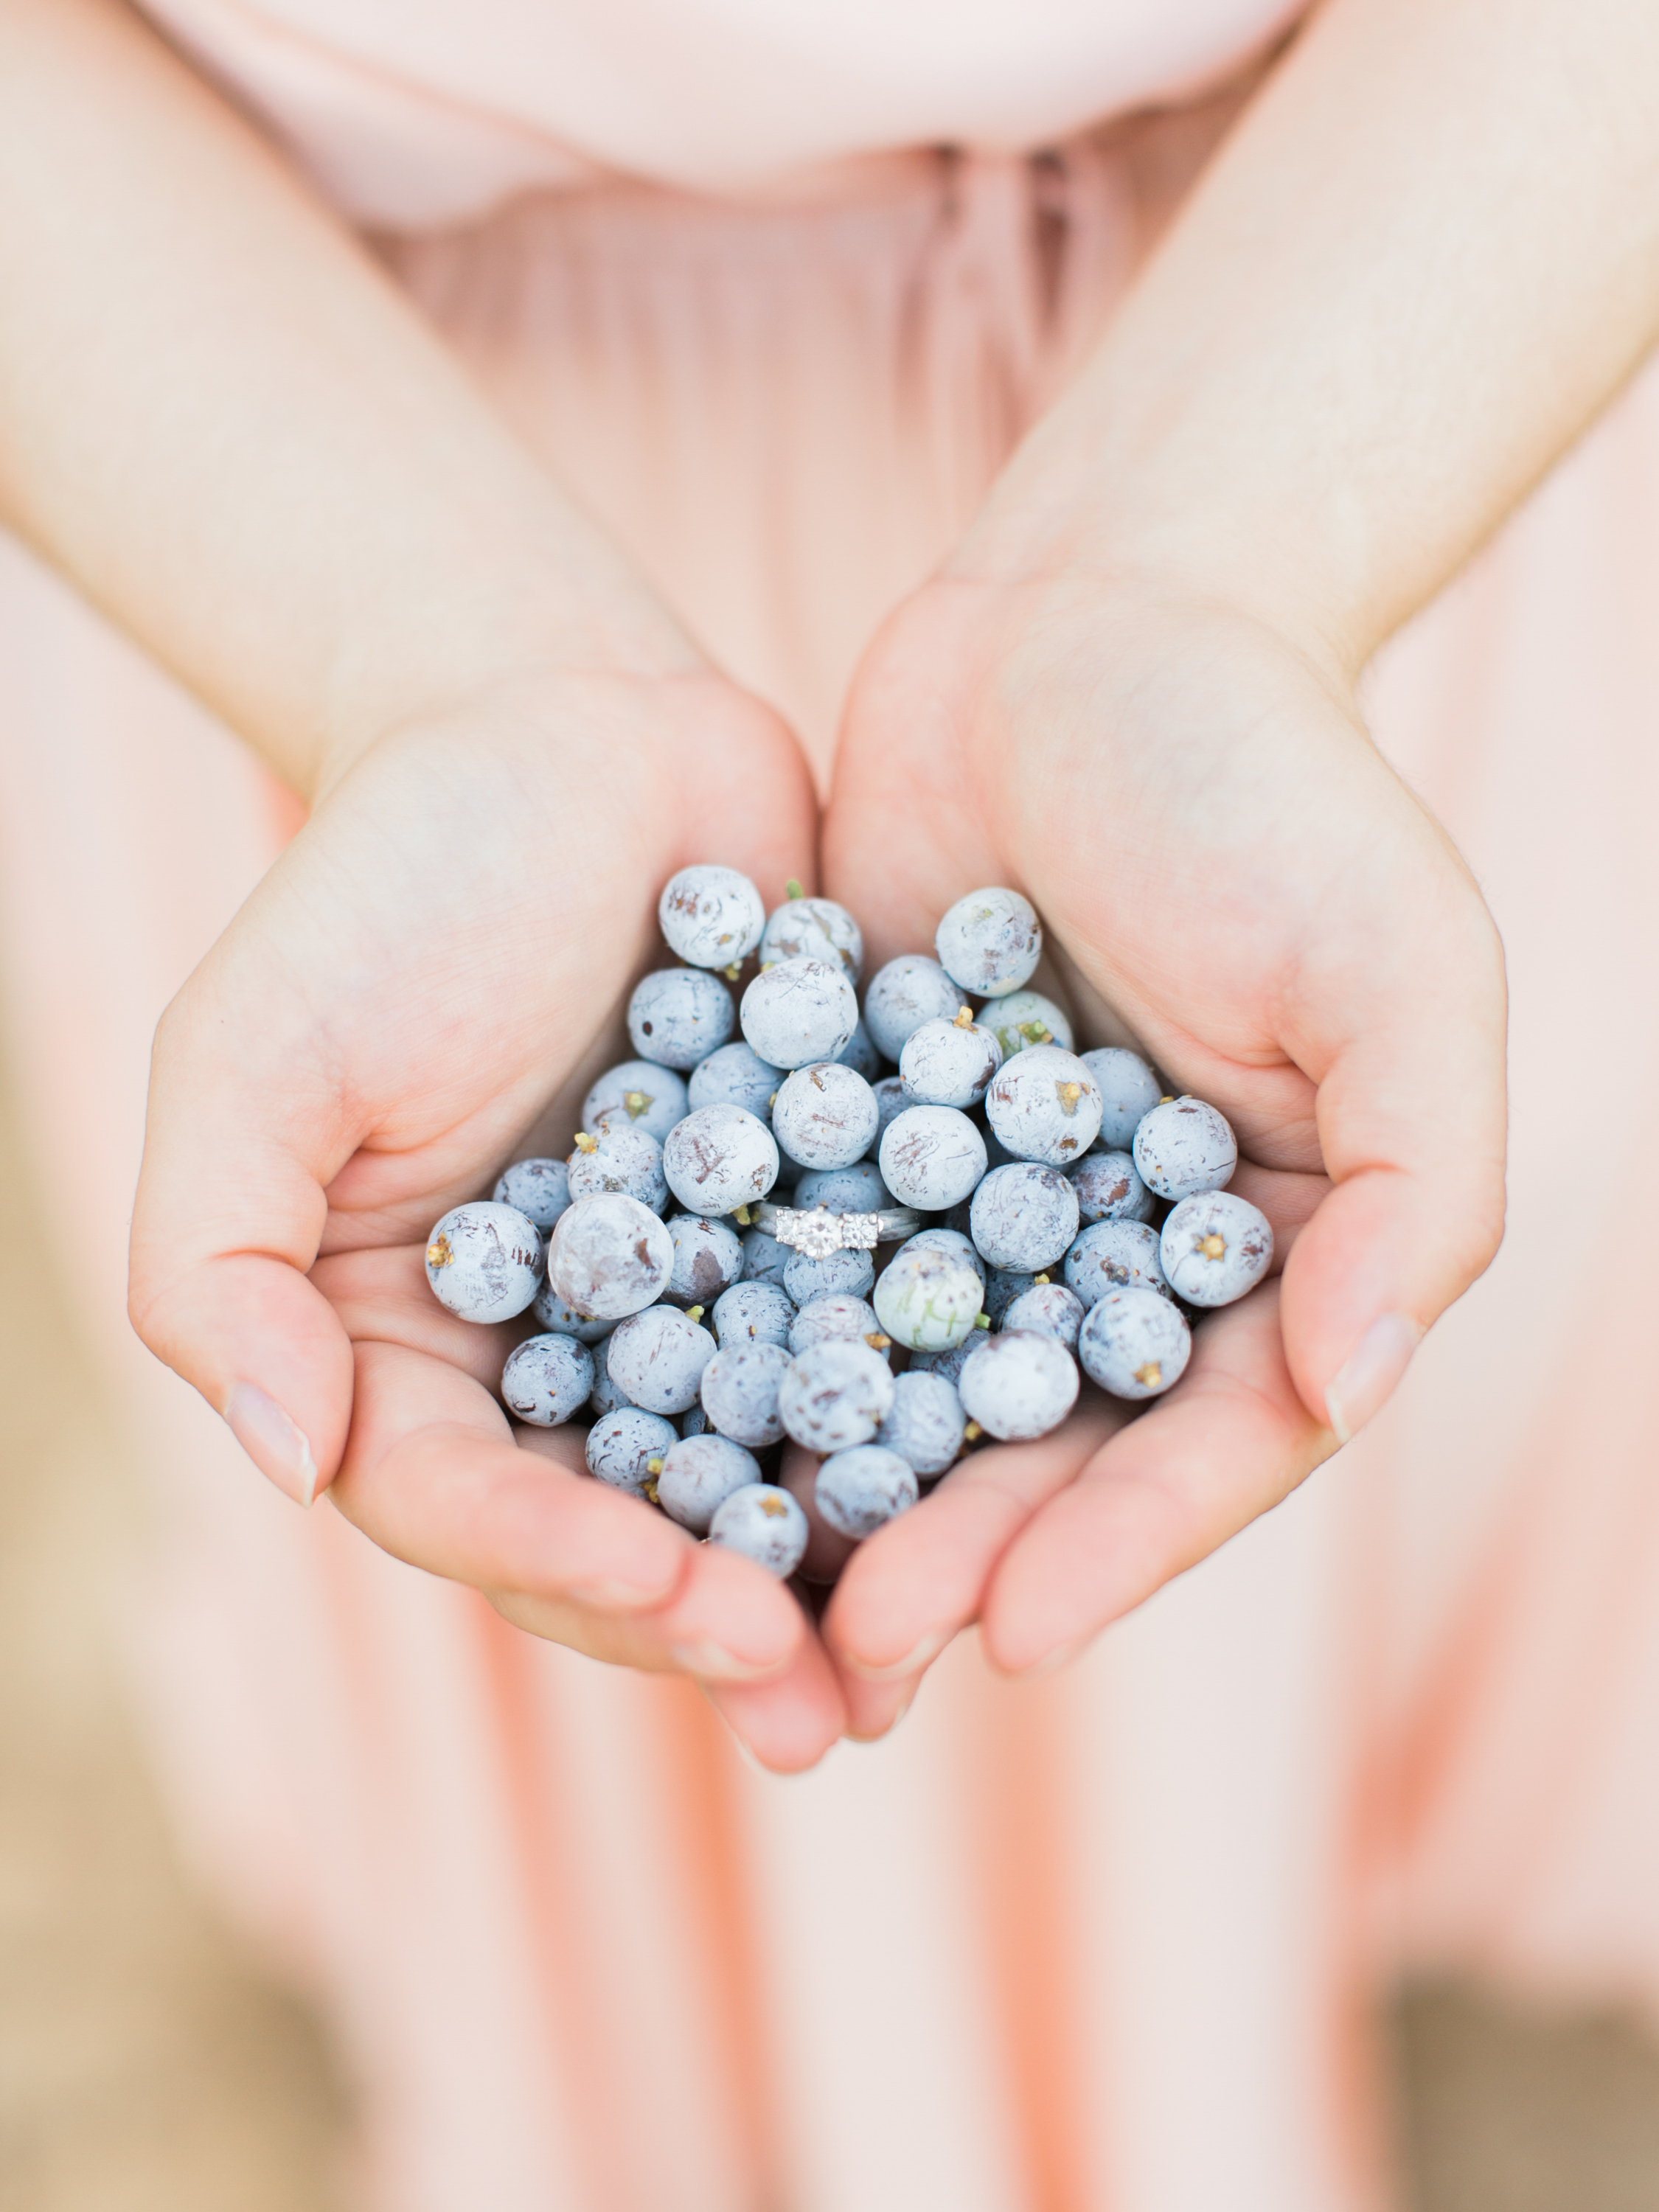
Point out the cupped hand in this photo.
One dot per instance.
(418, 992)
(1234, 880)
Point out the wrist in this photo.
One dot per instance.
(519, 615)
(1132, 532)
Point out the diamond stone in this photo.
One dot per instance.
(819, 1233)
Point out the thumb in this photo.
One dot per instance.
(1410, 1116)
(228, 1218)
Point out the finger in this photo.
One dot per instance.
(914, 1584)
(924, 782)
(723, 1620)
(790, 1711)
(1233, 1439)
(727, 1621)
(432, 1474)
(228, 1220)
(1410, 1116)
(382, 1296)
(789, 1723)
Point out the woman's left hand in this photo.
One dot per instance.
(1231, 877)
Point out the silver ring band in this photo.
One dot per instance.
(819, 1232)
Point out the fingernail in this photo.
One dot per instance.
(714, 1664)
(619, 1597)
(877, 1735)
(919, 1655)
(1051, 1661)
(748, 1757)
(277, 1447)
(1369, 1374)
(744, 1752)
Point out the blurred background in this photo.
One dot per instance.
(149, 2063)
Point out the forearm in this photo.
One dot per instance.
(1427, 256)
(221, 420)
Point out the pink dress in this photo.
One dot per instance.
(1101, 1944)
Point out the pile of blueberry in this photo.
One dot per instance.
(697, 1341)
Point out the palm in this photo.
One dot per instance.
(419, 991)
(1230, 876)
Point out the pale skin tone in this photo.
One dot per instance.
(1426, 258)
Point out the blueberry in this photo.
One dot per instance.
(720, 1157)
(1128, 1089)
(1044, 1106)
(837, 1316)
(1184, 1148)
(621, 1447)
(763, 1523)
(1134, 1343)
(658, 1357)
(707, 1259)
(1046, 1309)
(610, 1257)
(931, 1157)
(754, 1313)
(1002, 1286)
(1115, 1255)
(740, 1393)
(800, 1012)
(841, 1274)
(763, 1258)
(1020, 1387)
(836, 1394)
(546, 1379)
(539, 1189)
(484, 1261)
(711, 916)
(949, 1063)
(1215, 1248)
(1024, 1217)
(825, 1115)
(694, 1422)
(1109, 1188)
(859, 1053)
(892, 1099)
(902, 995)
(621, 1157)
(1026, 1018)
(640, 1093)
(925, 1426)
(736, 1075)
(859, 1488)
(928, 1300)
(990, 942)
(698, 1474)
(949, 1364)
(607, 1397)
(548, 1311)
(813, 929)
(857, 1189)
(957, 1242)
(679, 1016)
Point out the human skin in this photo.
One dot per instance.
(1427, 255)
(1424, 260)
(368, 577)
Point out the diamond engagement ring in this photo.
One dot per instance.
(819, 1233)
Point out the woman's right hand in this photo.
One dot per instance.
(418, 992)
